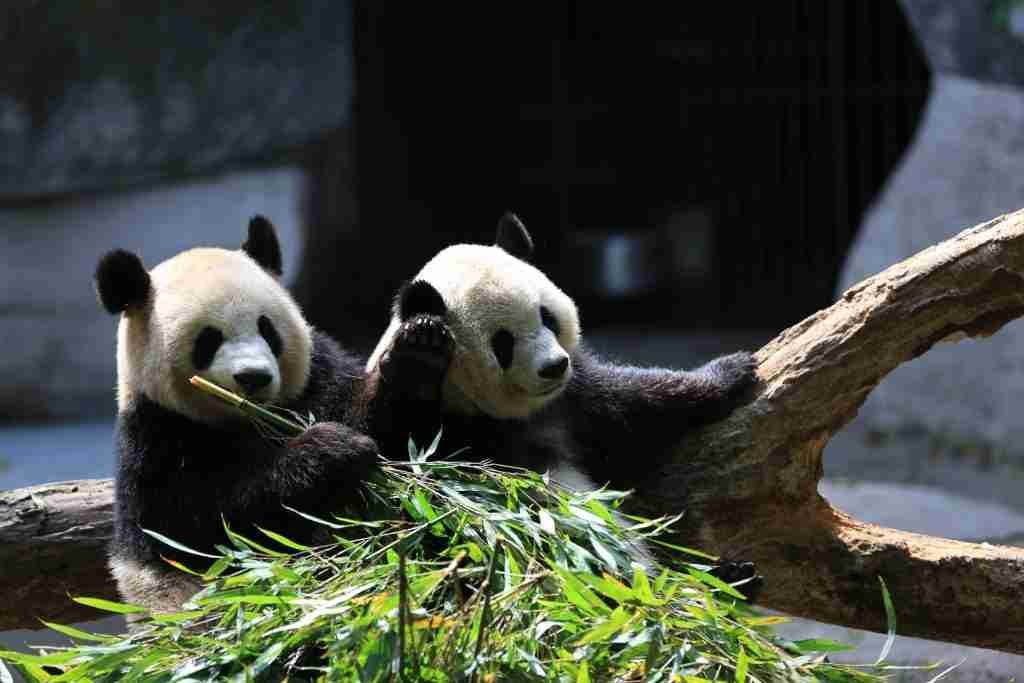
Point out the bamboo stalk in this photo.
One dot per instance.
(247, 407)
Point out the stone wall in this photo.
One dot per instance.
(57, 358)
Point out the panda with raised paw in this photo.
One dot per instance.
(484, 344)
(186, 462)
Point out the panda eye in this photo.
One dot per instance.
(548, 320)
(205, 348)
(269, 332)
(502, 343)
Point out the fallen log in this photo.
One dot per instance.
(748, 484)
(53, 541)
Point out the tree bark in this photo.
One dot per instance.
(53, 542)
(748, 484)
(751, 480)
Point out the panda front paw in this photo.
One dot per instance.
(419, 357)
(734, 373)
(348, 454)
(742, 576)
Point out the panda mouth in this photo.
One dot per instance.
(541, 392)
(546, 390)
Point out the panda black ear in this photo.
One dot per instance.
(513, 237)
(262, 244)
(121, 281)
(417, 298)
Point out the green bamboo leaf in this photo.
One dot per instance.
(180, 567)
(283, 540)
(246, 542)
(715, 582)
(246, 598)
(178, 546)
(217, 568)
(547, 522)
(890, 620)
(78, 634)
(609, 587)
(618, 619)
(742, 664)
(108, 606)
(821, 645)
(605, 554)
(311, 518)
(432, 448)
(642, 588)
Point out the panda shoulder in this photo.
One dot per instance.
(331, 364)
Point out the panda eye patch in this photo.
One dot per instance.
(548, 320)
(205, 348)
(269, 333)
(502, 343)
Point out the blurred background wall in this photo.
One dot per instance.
(680, 166)
(697, 175)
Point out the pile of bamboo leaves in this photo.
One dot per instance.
(453, 571)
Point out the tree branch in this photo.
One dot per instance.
(751, 481)
(748, 483)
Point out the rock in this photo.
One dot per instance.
(978, 40)
(95, 96)
(966, 165)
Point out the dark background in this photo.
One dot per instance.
(766, 130)
(723, 153)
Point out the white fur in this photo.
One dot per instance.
(245, 353)
(224, 289)
(151, 587)
(486, 289)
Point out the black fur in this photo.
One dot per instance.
(121, 281)
(736, 572)
(179, 477)
(513, 237)
(262, 245)
(604, 413)
(270, 335)
(207, 342)
(419, 298)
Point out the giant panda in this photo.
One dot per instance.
(186, 463)
(485, 345)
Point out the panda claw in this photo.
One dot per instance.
(734, 572)
(419, 356)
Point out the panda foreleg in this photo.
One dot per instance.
(152, 586)
(722, 382)
(329, 456)
(415, 365)
(742, 575)
(410, 377)
(657, 403)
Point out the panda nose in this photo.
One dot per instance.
(253, 380)
(555, 369)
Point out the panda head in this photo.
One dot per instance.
(216, 313)
(515, 331)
